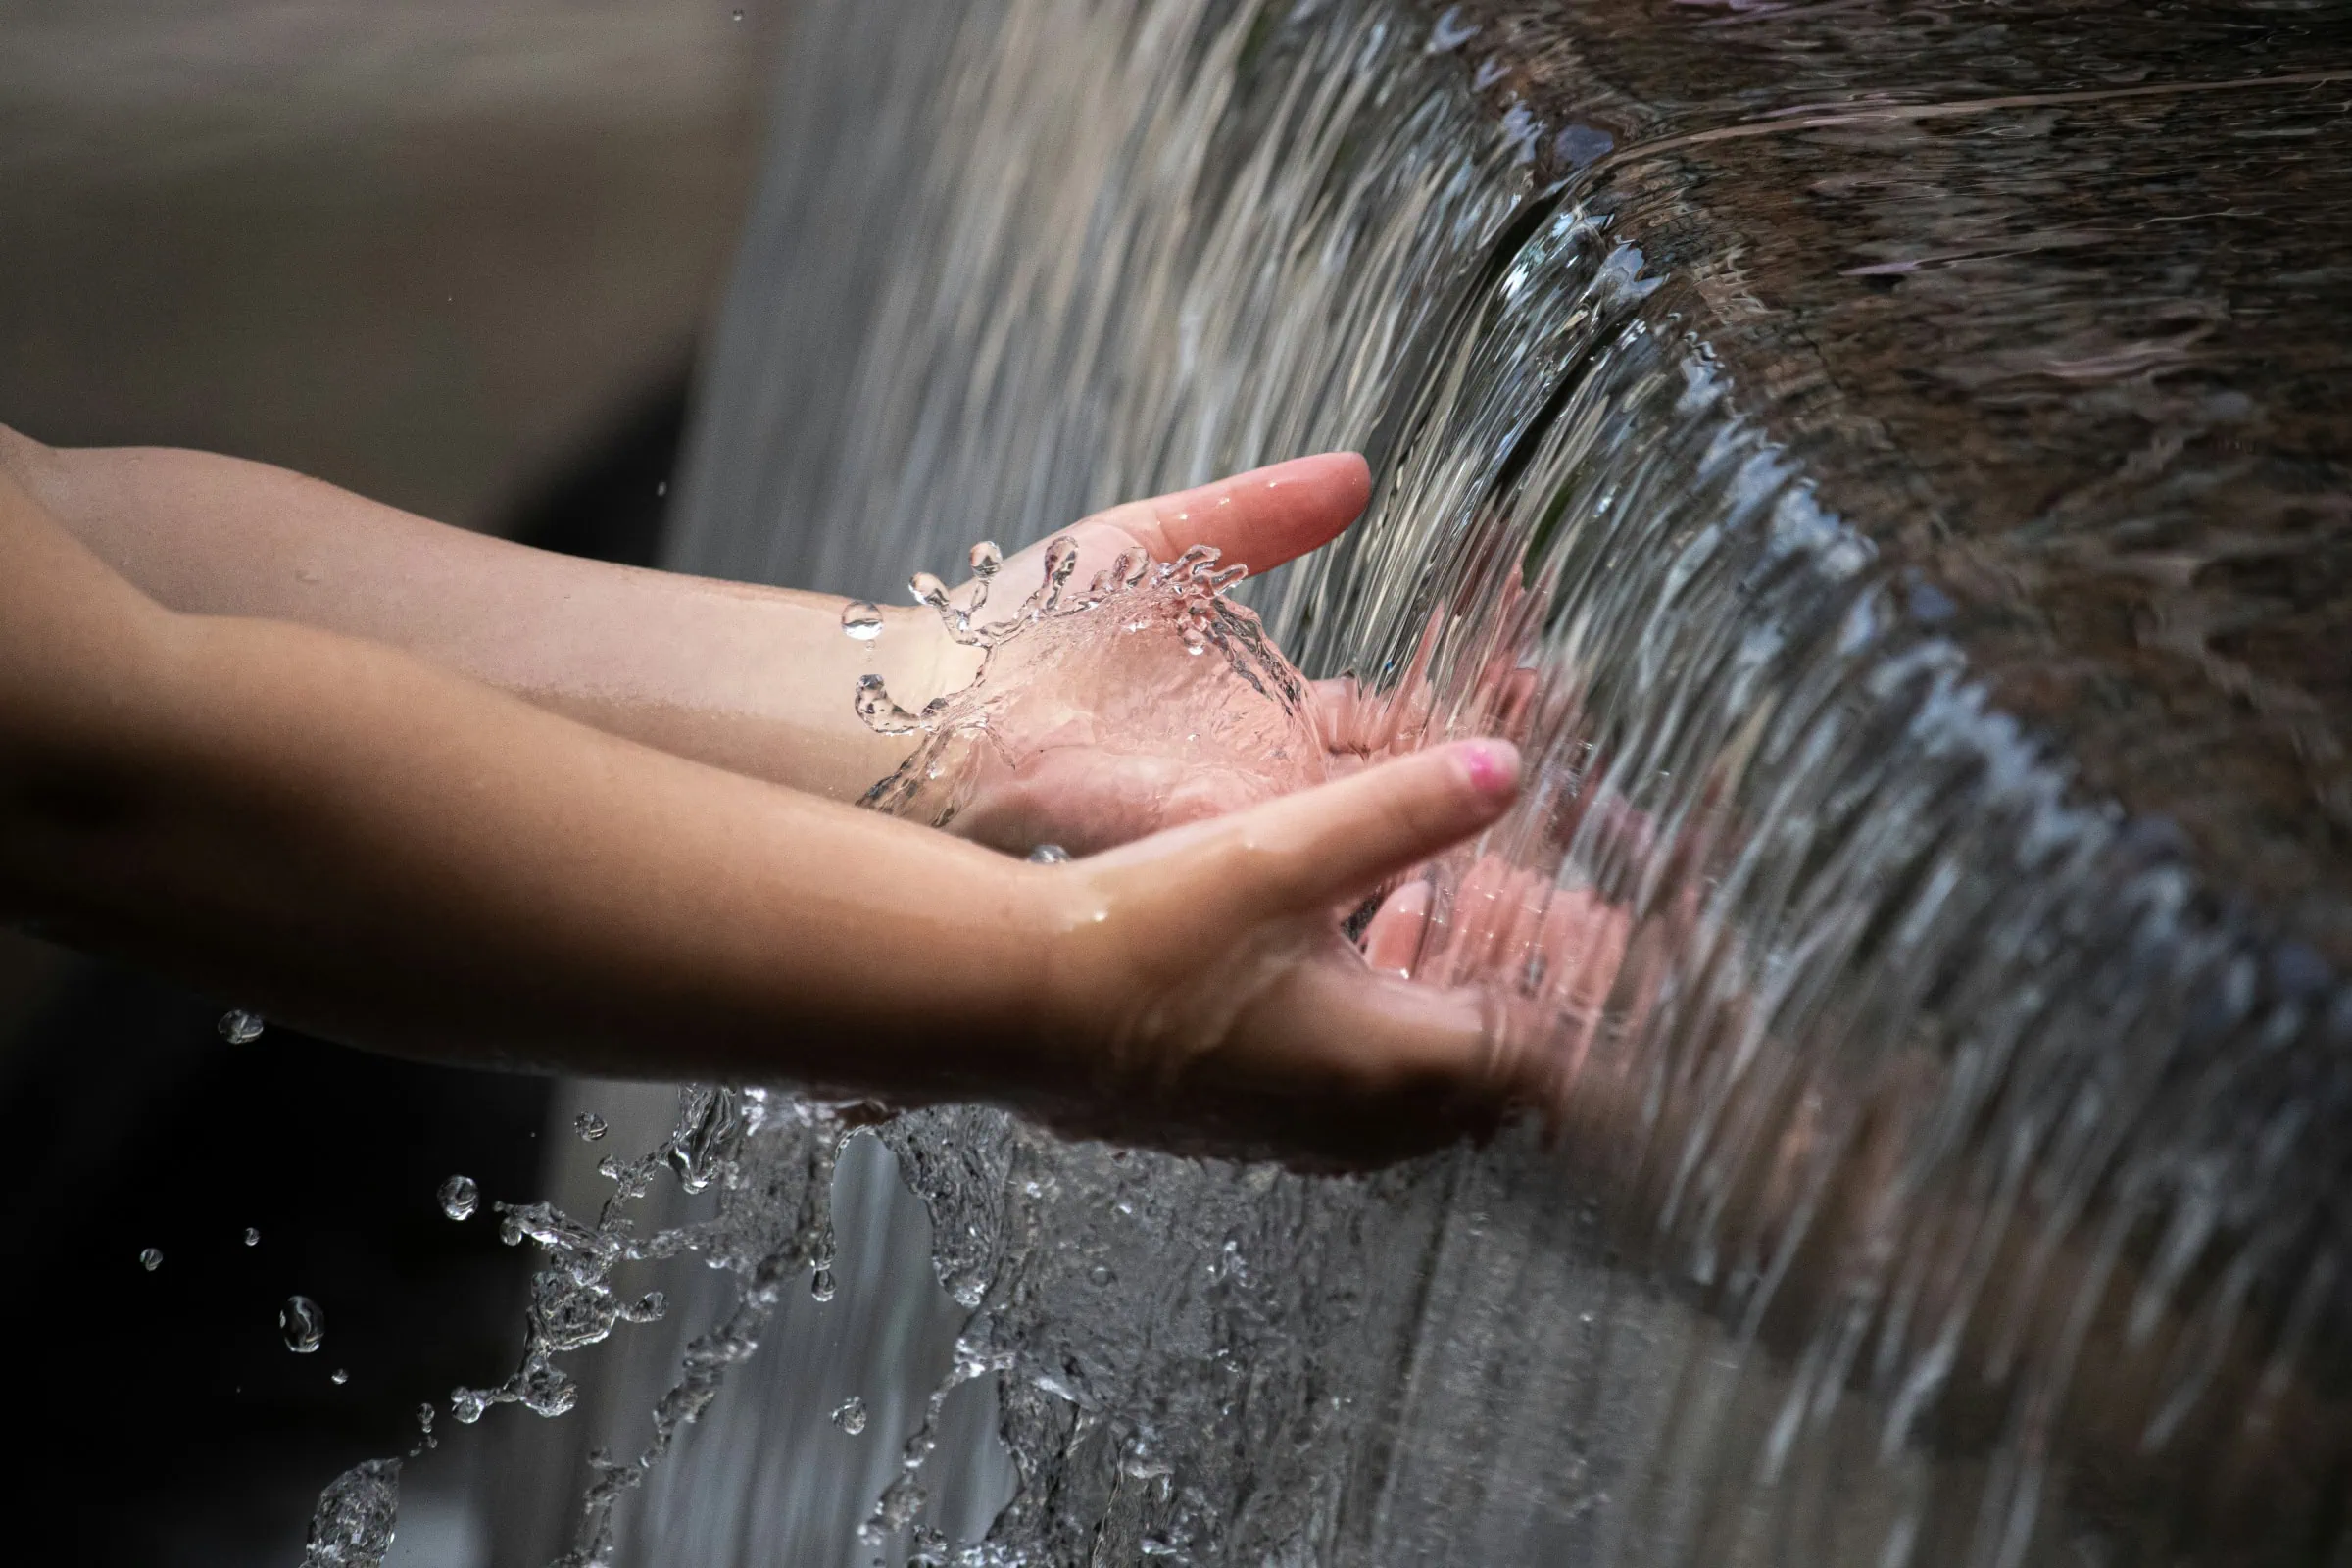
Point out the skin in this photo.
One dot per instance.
(748, 678)
(443, 796)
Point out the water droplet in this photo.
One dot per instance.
(468, 1404)
(1453, 30)
(338, 1377)
(663, 488)
(820, 1285)
(863, 619)
(305, 1325)
(151, 1259)
(352, 1524)
(253, 1237)
(986, 558)
(927, 590)
(544, 1389)
(738, 14)
(239, 1027)
(881, 714)
(650, 1307)
(589, 1125)
(1101, 1274)
(460, 1198)
(851, 1415)
(1048, 854)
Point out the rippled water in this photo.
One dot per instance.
(1947, 1178)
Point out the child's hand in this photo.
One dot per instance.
(1086, 793)
(1198, 992)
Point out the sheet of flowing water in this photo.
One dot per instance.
(1944, 1184)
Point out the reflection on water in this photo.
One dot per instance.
(1803, 395)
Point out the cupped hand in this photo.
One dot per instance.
(1199, 993)
(1082, 778)
(1548, 957)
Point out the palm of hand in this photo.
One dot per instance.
(1106, 726)
(1110, 729)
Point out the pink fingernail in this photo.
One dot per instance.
(1492, 767)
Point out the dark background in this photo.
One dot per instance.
(165, 1421)
(455, 254)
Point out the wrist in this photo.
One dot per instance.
(1042, 1008)
(917, 659)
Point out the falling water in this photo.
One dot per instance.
(1945, 1179)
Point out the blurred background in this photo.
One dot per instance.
(456, 255)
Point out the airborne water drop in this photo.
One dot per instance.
(460, 1198)
(302, 1323)
(861, 620)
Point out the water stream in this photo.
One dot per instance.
(1945, 1180)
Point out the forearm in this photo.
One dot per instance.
(754, 680)
(358, 843)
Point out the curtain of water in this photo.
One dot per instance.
(1941, 1184)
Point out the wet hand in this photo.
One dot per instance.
(1548, 957)
(1197, 992)
(1084, 793)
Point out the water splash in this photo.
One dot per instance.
(769, 1162)
(303, 1324)
(241, 1028)
(1110, 688)
(1946, 1179)
(352, 1526)
(458, 1197)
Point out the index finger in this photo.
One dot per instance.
(1259, 520)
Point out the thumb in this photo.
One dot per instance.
(1321, 847)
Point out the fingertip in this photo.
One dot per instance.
(1490, 768)
(1344, 480)
(1313, 501)
(1392, 939)
(1268, 515)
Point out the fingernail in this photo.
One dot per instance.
(1492, 767)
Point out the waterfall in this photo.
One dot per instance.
(1949, 1180)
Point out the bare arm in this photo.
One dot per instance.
(375, 849)
(756, 680)
(753, 679)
